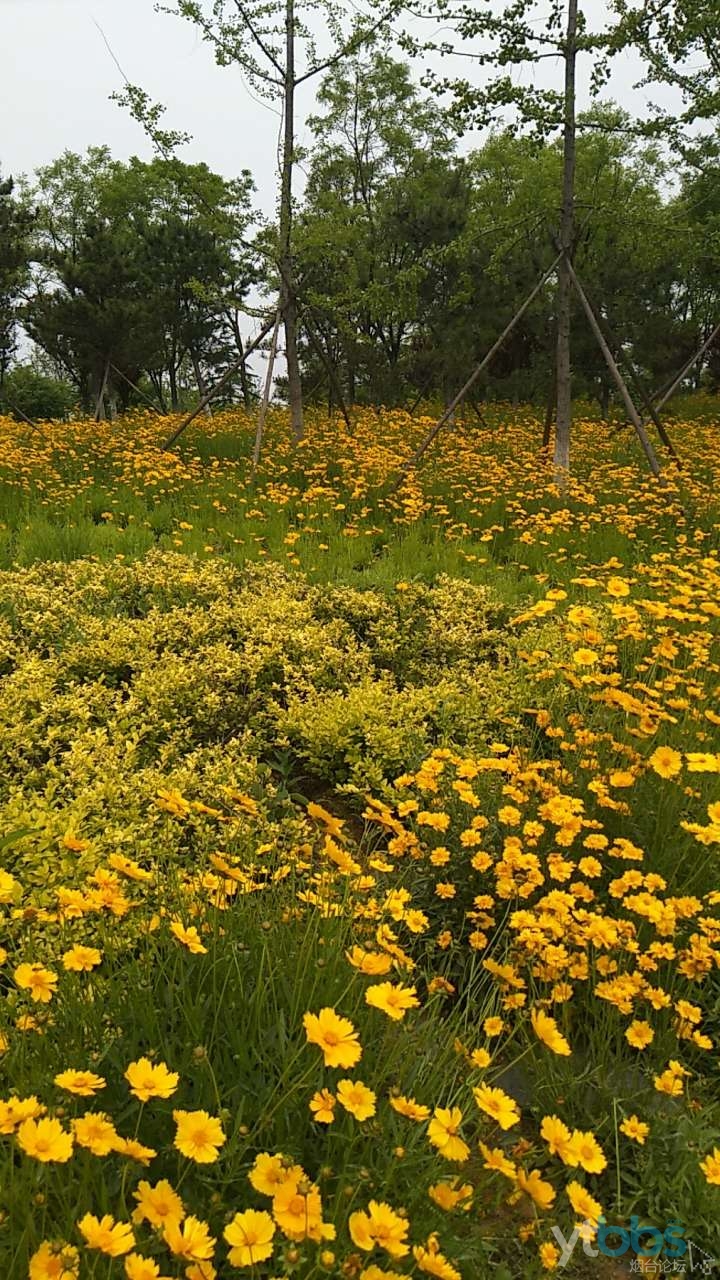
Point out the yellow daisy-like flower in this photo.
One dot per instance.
(546, 1029)
(95, 1132)
(444, 1134)
(380, 1226)
(336, 1036)
(394, 1000)
(151, 1080)
(81, 959)
(157, 1204)
(635, 1129)
(356, 1098)
(107, 1235)
(250, 1235)
(199, 1136)
(82, 1083)
(189, 1238)
(45, 1140)
(322, 1105)
(189, 937)
(40, 982)
(498, 1105)
(54, 1260)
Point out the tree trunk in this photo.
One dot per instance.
(200, 384)
(172, 379)
(262, 412)
(567, 236)
(287, 278)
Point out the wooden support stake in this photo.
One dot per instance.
(325, 361)
(687, 367)
(262, 412)
(100, 404)
(486, 360)
(618, 379)
(130, 383)
(214, 391)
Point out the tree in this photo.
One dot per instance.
(136, 264)
(16, 220)
(268, 39)
(385, 203)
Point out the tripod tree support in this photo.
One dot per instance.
(486, 360)
(214, 391)
(262, 412)
(620, 383)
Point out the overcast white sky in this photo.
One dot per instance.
(57, 74)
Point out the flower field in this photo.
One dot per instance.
(358, 876)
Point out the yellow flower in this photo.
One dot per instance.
(151, 1080)
(639, 1034)
(107, 1235)
(81, 959)
(549, 1255)
(96, 1132)
(269, 1173)
(617, 587)
(542, 1193)
(189, 1239)
(158, 1204)
(496, 1104)
(356, 1098)
(635, 1129)
(394, 1000)
(444, 1133)
(493, 1026)
(711, 1167)
(380, 1226)
(199, 1136)
(54, 1260)
(45, 1140)
(448, 1195)
(297, 1210)
(250, 1234)
(588, 1151)
(82, 1083)
(546, 1029)
(371, 962)
(134, 1150)
(322, 1105)
(336, 1036)
(139, 1268)
(666, 762)
(40, 982)
(585, 657)
(497, 1162)
(189, 937)
(13, 1112)
(430, 1260)
(409, 1108)
(585, 1206)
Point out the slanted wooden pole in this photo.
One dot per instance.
(214, 391)
(262, 411)
(134, 386)
(100, 403)
(486, 360)
(616, 375)
(686, 369)
(327, 365)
